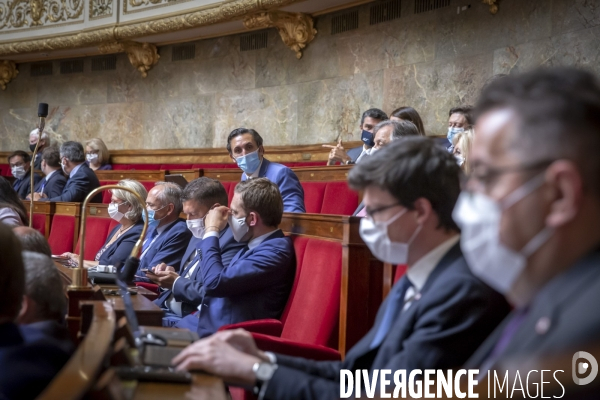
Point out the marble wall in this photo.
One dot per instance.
(431, 61)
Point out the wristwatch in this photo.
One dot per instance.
(263, 372)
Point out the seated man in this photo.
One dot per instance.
(245, 147)
(459, 120)
(538, 135)
(27, 368)
(32, 240)
(34, 136)
(182, 294)
(257, 282)
(82, 180)
(53, 184)
(369, 119)
(20, 163)
(44, 307)
(168, 235)
(434, 317)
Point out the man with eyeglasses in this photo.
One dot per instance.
(434, 317)
(531, 214)
(19, 163)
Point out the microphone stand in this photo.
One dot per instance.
(31, 172)
(79, 280)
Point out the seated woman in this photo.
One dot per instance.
(12, 210)
(461, 143)
(408, 114)
(125, 208)
(97, 155)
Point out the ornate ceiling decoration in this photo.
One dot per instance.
(142, 56)
(18, 14)
(492, 4)
(8, 72)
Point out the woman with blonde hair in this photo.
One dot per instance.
(462, 143)
(97, 155)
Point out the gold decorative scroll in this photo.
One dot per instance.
(143, 56)
(493, 5)
(22, 13)
(296, 29)
(8, 72)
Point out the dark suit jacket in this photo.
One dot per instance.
(255, 285)
(169, 247)
(120, 250)
(569, 302)
(52, 330)
(354, 153)
(27, 368)
(79, 186)
(288, 183)
(54, 186)
(37, 163)
(22, 186)
(454, 314)
(189, 290)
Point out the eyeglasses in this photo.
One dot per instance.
(371, 213)
(483, 178)
(118, 204)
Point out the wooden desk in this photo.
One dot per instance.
(203, 387)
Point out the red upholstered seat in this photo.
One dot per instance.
(305, 164)
(229, 188)
(400, 271)
(339, 199)
(313, 196)
(62, 233)
(5, 170)
(142, 167)
(39, 223)
(165, 167)
(95, 236)
(106, 195)
(230, 165)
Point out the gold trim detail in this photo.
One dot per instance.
(100, 9)
(20, 13)
(492, 4)
(8, 72)
(296, 29)
(143, 56)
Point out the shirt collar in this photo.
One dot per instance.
(257, 172)
(50, 174)
(420, 271)
(258, 240)
(161, 229)
(74, 170)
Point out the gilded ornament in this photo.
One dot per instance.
(143, 56)
(493, 5)
(8, 72)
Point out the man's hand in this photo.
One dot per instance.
(163, 267)
(37, 196)
(215, 356)
(164, 279)
(216, 219)
(337, 153)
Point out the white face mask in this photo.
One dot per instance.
(91, 158)
(196, 226)
(375, 235)
(238, 227)
(114, 213)
(18, 172)
(489, 259)
(460, 160)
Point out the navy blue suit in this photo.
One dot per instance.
(27, 368)
(440, 330)
(44, 330)
(168, 247)
(79, 186)
(354, 153)
(22, 186)
(292, 192)
(120, 250)
(255, 285)
(189, 290)
(54, 186)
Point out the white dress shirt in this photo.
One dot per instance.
(159, 230)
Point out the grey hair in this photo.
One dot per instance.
(171, 193)
(135, 214)
(45, 134)
(35, 242)
(400, 128)
(73, 151)
(44, 286)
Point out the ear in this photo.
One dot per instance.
(215, 206)
(253, 219)
(171, 208)
(566, 194)
(423, 209)
(232, 157)
(261, 151)
(26, 308)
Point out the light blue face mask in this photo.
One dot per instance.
(152, 223)
(249, 163)
(453, 131)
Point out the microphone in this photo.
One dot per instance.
(42, 113)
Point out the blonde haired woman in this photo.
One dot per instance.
(97, 155)
(462, 143)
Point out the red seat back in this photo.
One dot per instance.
(95, 236)
(106, 195)
(313, 196)
(39, 223)
(400, 271)
(62, 232)
(165, 167)
(339, 199)
(142, 167)
(300, 243)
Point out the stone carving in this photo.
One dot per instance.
(100, 8)
(8, 72)
(143, 56)
(296, 29)
(492, 4)
(22, 13)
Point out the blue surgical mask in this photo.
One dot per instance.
(152, 223)
(249, 163)
(367, 138)
(453, 131)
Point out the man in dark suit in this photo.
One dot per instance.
(27, 367)
(34, 136)
(245, 147)
(182, 292)
(82, 180)
(369, 119)
(257, 282)
(535, 169)
(168, 235)
(54, 181)
(20, 164)
(434, 317)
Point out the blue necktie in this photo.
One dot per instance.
(393, 308)
(18, 184)
(196, 259)
(43, 185)
(149, 240)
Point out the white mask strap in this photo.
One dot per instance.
(537, 241)
(523, 191)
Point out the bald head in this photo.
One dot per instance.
(12, 275)
(33, 240)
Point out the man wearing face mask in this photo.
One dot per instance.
(82, 180)
(183, 288)
(459, 119)
(19, 163)
(530, 215)
(34, 136)
(54, 181)
(245, 147)
(434, 317)
(168, 235)
(257, 282)
(369, 119)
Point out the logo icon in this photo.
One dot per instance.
(582, 367)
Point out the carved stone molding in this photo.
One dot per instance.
(8, 72)
(493, 5)
(143, 56)
(296, 29)
(30, 13)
